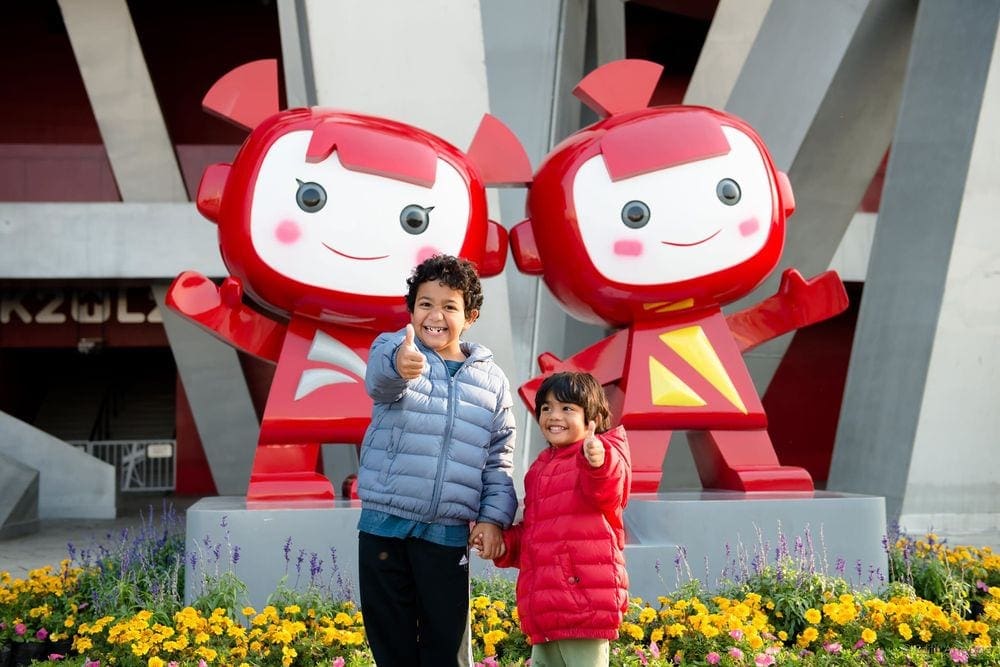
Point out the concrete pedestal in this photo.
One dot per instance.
(721, 534)
(717, 535)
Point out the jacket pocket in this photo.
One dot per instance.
(390, 454)
(572, 582)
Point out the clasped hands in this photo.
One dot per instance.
(487, 539)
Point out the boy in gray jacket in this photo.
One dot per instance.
(436, 459)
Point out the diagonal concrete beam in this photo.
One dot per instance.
(822, 85)
(123, 100)
(220, 401)
(730, 37)
(919, 420)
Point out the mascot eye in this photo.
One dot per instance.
(635, 214)
(311, 197)
(415, 219)
(728, 192)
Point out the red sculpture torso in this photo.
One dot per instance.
(688, 375)
(318, 391)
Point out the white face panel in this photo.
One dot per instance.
(689, 231)
(354, 242)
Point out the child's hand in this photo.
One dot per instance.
(409, 361)
(487, 539)
(593, 448)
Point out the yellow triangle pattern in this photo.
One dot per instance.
(668, 389)
(668, 306)
(693, 346)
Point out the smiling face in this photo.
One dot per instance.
(562, 423)
(677, 223)
(333, 228)
(439, 318)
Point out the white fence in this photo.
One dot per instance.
(142, 465)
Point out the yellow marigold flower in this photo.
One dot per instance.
(809, 635)
(868, 636)
(81, 644)
(709, 630)
(480, 603)
(249, 611)
(494, 637)
(782, 635)
(674, 630)
(647, 615)
(813, 616)
(905, 632)
(755, 642)
(925, 635)
(209, 654)
(982, 641)
(292, 609)
(633, 631)
(155, 662)
(656, 635)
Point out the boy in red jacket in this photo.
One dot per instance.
(572, 589)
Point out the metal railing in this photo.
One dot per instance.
(142, 465)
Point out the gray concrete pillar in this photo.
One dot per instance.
(919, 420)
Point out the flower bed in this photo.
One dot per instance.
(940, 605)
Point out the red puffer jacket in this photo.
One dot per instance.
(572, 583)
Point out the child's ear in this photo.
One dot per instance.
(471, 317)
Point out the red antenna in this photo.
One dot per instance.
(246, 95)
(499, 155)
(619, 86)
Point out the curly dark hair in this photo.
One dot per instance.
(455, 272)
(582, 389)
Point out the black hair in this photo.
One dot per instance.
(455, 272)
(581, 389)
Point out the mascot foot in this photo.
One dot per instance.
(285, 489)
(764, 478)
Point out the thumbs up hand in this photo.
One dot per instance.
(409, 361)
(593, 448)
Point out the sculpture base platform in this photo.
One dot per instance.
(722, 533)
(715, 536)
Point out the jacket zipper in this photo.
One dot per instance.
(446, 442)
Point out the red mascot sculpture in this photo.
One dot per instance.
(322, 216)
(651, 220)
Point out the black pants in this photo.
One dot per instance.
(415, 600)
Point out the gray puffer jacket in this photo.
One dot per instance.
(439, 449)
